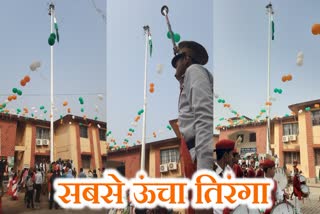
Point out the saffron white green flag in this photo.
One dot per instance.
(150, 44)
(56, 28)
(272, 27)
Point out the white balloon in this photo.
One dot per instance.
(134, 124)
(70, 123)
(299, 61)
(300, 111)
(99, 126)
(159, 68)
(300, 55)
(73, 117)
(100, 96)
(33, 108)
(35, 65)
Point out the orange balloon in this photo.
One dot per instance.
(26, 78)
(23, 82)
(137, 118)
(65, 103)
(284, 78)
(315, 29)
(14, 97)
(151, 85)
(289, 77)
(316, 105)
(151, 90)
(9, 98)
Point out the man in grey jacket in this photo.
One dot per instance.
(195, 102)
(195, 108)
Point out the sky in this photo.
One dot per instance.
(241, 53)
(102, 52)
(79, 57)
(235, 34)
(126, 44)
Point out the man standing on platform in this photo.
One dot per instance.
(195, 105)
(195, 108)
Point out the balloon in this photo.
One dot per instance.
(51, 40)
(45, 111)
(35, 65)
(99, 126)
(41, 107)
(65, 103)
(100, 96)
(222, 118)
(81, 100)
(169, 127)
(300, 111)
(14, 90)
(14, 97)
(315, 29)
(27, 78)
(23, 83)
(19, 92)
(169, 35)
(53, 35)
(307, 108)
(316, 105)
(176, 37)
(95, 118)
(159, 68)
(82, 109)
(140, 112)
(151, 90)
(137, 118)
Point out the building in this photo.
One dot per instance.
(26, 141)
(295, 137)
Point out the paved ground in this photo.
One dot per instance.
(311, 205)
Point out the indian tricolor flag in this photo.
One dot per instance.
(272, 27)
(56, 27)
(150, 43)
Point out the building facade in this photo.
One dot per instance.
(25, 142)
(295, 137)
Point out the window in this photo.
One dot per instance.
(252, 137)
(86, 161)
(290, 129)
(169, 155)
(240, 138)
(102, 134)
(84, 131)
(317, 156)
(316, 118)
(42, 133)
(289, 157)
(244, 151)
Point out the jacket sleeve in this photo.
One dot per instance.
(199, 91)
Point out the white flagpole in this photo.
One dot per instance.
(51, 13)
(143, 141)
(270, 12)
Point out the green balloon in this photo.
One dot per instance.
(61, 116)
(95, 118)
(280, 91)
(41, 107)
(53, 35)
(82, 109)
(45, 111)
(19, 92)
(3, 105)
(275, 90)
(14, 90)
(176, 37)
(169, 35)
(51, 41)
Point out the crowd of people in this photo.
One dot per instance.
(38, 180)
